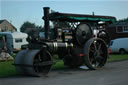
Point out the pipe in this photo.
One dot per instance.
(46, 21)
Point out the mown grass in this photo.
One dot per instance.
(117, 57)
(7, 69)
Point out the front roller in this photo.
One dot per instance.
(96, 53)
(33, 62)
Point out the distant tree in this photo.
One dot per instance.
(27, 25)
(123, 20)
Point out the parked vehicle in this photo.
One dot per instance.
(14, 40)
(119, 45)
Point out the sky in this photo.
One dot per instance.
(19, 11)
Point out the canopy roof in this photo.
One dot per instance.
(79, 17)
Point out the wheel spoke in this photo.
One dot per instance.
(99, 59)
(95, 63)
(99, 47)
(92, 49)
(39, 57)
(95, 46)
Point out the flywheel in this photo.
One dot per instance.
(83, 33)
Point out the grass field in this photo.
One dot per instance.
(7, 69)
(117, 58)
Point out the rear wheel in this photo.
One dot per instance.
(96, 53)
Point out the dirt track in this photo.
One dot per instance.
(115, 73)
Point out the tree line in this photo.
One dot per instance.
(123, 20)
(27, 26)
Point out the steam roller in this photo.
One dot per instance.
(76, 46)
(37, 60)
